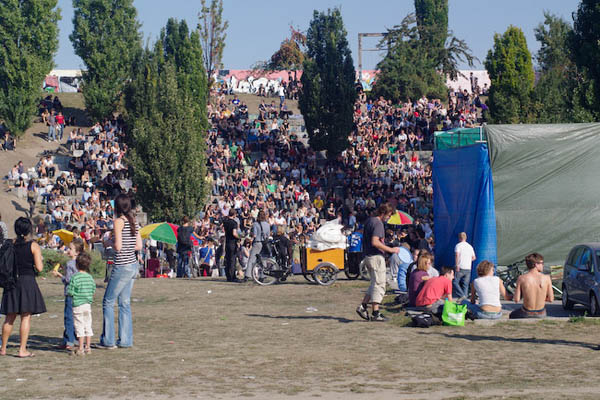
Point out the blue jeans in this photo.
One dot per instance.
(460, 284)
(51, 133)
(119, 288)
(402, 270)
(183, 265)
(479, 313)
(69, 337)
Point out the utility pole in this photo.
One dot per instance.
(360, 49)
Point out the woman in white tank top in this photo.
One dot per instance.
(488, 289)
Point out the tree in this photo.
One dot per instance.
(184, 50)
(553, 35)
(407, 71)
(106, 36)
(28, 42)
(432, 23)
(291, 53)
(212, 35)
(510, 69)
(421, 53)
(328, 91)
(585, 44)
(560, 94)
(167, 128)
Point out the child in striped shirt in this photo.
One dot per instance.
(81, 289)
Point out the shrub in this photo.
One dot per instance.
(52, 257)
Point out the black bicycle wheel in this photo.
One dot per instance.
(351, 275)
(262, 273)
(308, 276)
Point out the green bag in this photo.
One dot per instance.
(454, 314)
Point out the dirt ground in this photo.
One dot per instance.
(212, 339)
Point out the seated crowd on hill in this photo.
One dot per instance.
(77, 198)
(262, 162)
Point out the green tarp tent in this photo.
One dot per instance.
(546, 188)
(458, 138)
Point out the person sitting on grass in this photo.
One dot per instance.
(81, 289)
(536, 289)
(488, 289)
(435, 291)
(418, 277)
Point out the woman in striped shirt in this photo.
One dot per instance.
(127, 241)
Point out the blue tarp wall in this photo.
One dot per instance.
(463, 201)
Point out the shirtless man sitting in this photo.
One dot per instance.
(536, 289)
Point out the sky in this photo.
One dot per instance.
(256, 28)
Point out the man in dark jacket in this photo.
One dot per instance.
(184, 246)
(232, 237)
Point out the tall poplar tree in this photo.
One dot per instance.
(328, 91)
(166, 103)
(585, 44)
(212, 30)
(106, 36)
(183, 48)
(28, 42)
(421, 53)
(510, 68)
(432, 23)
(563, 92)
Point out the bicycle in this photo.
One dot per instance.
(267, 270)
(510, 273)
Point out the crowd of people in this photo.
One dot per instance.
(259, 161)
(266, 182)
(77, 197)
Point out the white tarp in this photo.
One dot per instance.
(328, 236)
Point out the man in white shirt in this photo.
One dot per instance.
(281, 93)
(464, 255)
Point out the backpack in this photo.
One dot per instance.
(8, 272)
(425, 320)
(184, 237)
(422, 320)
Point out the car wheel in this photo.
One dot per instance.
(594, 309)
(566, 303)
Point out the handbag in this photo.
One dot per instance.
(454, 314)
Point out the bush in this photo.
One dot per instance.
(98, 266)
(52, 257)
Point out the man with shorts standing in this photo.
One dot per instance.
(374, 249)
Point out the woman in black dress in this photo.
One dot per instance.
(25, 298)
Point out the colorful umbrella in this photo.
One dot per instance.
(162, 232)
(400, 218)
(64, 235)
(166, 232)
